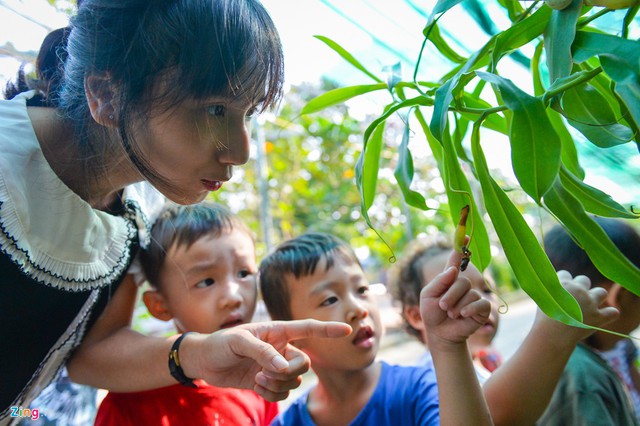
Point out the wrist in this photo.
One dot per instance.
(182, 365)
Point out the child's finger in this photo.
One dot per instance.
(454, 297)
(440, 284)
(583, 281)
(455, 258)
(479, 310)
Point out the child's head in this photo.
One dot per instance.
(201, 267)
(421, 262)
(565, 254)
(318, 276)
(176, 80)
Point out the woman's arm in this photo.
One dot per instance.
(253, 356)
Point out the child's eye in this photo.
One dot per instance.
(329, 301)
(244, 274)
(205, 283)
(217, 110)
(363, 290)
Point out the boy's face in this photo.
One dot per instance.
(485, 334)
(338, 294)
(212, 284)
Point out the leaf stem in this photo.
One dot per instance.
(550, 94)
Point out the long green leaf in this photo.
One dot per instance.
(458, 195)
(338, 96)
(588, 112)
(530, 265)
(443, 47)
(404, 171)
(558, 37)
(367, 168)
(592, 238)
(593, 200)
(418, 100)
(535, 146)
(347, 56)
(569, 153)
(441, 7)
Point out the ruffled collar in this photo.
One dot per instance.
(55, 236)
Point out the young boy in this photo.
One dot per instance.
(590, 391)
(202, 269)
(318, 276)
(518, 391)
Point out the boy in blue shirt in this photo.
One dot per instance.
(318, 276)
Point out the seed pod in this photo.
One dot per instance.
(460, 237)
(558, 4)
(612, 4)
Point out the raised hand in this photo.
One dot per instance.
(451, 310)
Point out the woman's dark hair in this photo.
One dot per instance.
(194, 49)
(179, 226)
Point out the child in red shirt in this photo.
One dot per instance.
(202, 270)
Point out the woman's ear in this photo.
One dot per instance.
(101, 100)
(156, 304)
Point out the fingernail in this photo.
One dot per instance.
(443, 305)
(279, 362)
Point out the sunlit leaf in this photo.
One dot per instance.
(588, 111)
(419, 100)
(531, 266)
(593, 200)
(443, 47)
(404, 172)
(535, 146)
(558, 37)
(458, 195)
(441, 7)
(592, 238)
(340, 95)
(347, 56)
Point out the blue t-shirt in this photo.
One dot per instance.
(403, 396)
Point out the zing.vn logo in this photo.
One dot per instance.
(33, 414)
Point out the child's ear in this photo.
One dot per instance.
(100, 95)
(413, 317)
(614, 295)
(156, 304)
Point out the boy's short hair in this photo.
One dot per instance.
(299, 256)
(406, 279)
(180, 225)
(566, 255)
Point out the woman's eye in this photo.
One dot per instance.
(217, 110)
(329, 301)
(205, 283)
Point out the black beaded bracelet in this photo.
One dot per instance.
(174, 364)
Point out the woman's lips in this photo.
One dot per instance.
(211, 185)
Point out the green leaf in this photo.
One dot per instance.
(404, 172)
(558, 37)
(337, 96)
(569, 153)
(418, 100)
(627, 83)
(347, 56)
(593, 200)
(519, 34)
(530, 265)
(592, 238)
(590, 113)
(535, 146)
(443, 47)
(441, 7)
(458, 195)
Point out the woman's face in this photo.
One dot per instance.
(195, 145)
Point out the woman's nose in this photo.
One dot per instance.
(235, 151)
